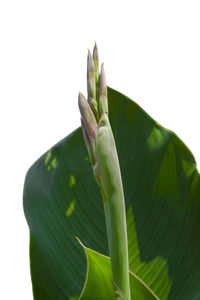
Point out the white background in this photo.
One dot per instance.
(151, 51)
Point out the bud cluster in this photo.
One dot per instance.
(96, 104)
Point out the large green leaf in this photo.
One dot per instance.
(162, 192)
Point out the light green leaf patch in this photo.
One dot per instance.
(99, 285)
(157, 138)
(139, 290)
(72, 181)
(70, 208)
(154, 272)
(50, 161)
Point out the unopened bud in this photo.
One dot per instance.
(96, 63)
(87, 116)
(103, 99)
(87, 143)
(91, 85)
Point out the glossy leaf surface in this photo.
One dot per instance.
(162, 192)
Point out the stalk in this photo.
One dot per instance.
(102, 151)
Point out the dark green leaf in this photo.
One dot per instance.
(162, 192)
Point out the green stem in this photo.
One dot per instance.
(117, 239)
(101, 147)
(115, 217)
(110, 183)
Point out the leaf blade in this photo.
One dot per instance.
(167, 225)
(98, 283)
